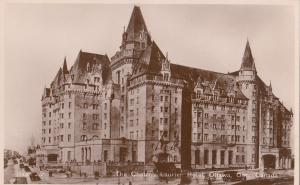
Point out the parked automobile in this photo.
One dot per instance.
(27, 169)
(34, 177)
(231, 176)
(19, 180)
(61, 171)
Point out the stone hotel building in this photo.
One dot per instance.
(137, 104)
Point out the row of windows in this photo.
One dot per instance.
(238, 158)
(132, 101)
(166, 98)
(61, 126)
(131, 122)
(136, 134)
(206, 115)
(222, 138)
(221, 127)
(57, 138)
(95, 116)
(84, 137)
(95, 126)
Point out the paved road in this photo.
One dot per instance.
(285, 178)
(9, 172)
(277, 181)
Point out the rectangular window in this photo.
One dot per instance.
(237, 159)
(222, 157)
(214, 137)
(197, 156)
(206, 125)
(132, 102)
(205, 137)
(69, 137)
(166, 120)
(253, 139)
(70, 104)
(214, 157)
(166, 98)
(69, 125)
(61, 138)
(230, 155)
(253, 157)
(205, 156)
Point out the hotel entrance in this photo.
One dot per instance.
(269, 161)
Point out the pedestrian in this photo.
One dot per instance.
(209, 181)
(130, 183)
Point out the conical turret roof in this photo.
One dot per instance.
(136, 24)
(248, 61)
(65, 67)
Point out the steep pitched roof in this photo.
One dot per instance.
(56, 81)
(149, 61)
(136, 24)
(84, 59)
(248, 61)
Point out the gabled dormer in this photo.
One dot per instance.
(165, 68)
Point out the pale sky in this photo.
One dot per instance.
(213, 37)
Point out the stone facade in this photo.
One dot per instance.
(139, 104)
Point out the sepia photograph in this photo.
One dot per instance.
(142, 93)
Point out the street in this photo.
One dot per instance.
(282, 177)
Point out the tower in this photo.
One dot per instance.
(135, 39)
(246, 80)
